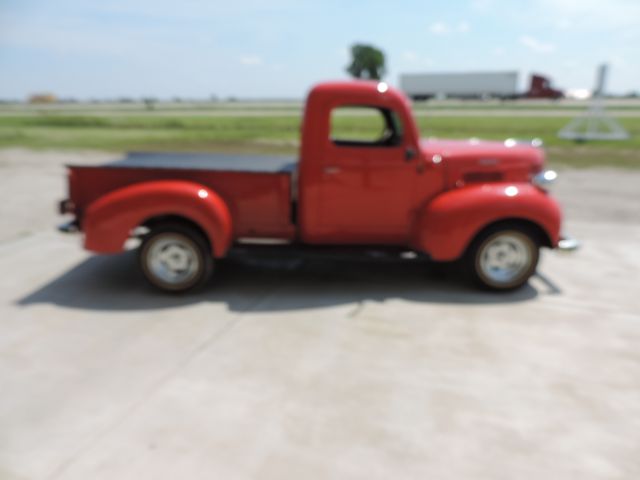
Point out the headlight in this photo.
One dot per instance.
(544, 180)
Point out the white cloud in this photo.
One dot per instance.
(536, 45)
(410, 56)
(563, 24)
(592, 14)
(481, 5)
(463, 27)
(188, 9)
(619, 61)
(439, 28)
(443, 28)
(413, 59)
(251, 60)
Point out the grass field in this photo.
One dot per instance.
(272, 133)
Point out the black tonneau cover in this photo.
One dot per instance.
(207, 161)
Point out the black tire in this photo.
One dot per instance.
(503, 257)
(175, 258)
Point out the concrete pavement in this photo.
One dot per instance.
(317, 371)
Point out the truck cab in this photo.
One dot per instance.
(484, 204)
(541, 87)
(354, 190)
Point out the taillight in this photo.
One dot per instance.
(66, 206)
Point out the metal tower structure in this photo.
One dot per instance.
(595, 124)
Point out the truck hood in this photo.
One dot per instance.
(474, 161)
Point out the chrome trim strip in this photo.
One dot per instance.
(263, 241)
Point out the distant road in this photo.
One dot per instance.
(446, 108)
(297, 113)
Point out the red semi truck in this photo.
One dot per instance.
(484, 204)
(540, 87)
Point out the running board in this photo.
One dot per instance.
(328, 252)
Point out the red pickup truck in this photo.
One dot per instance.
(484, 204)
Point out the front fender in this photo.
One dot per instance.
(449, 223)
(108, 222)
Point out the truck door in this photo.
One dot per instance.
(368, 177)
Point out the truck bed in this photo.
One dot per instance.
(207, 161)
(257, 188)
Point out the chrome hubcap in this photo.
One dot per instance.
(505, 258)
(173, 260)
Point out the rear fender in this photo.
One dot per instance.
(109, 220)
(450, 222)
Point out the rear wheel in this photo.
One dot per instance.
(503, 257)
(175, 258)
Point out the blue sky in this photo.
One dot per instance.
(279, 48)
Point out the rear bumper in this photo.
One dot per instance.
(65, 207)
(69, 227)
(568, 244)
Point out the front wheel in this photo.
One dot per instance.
(503, 258)
(175, 258)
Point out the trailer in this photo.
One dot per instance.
(502, 85)
(422, 86)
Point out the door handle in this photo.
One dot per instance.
(410, 154)
(331, 170)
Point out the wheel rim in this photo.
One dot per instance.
(505, 258)
(173, 260)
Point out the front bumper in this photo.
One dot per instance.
(568, 244)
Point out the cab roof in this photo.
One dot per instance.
(357, 89)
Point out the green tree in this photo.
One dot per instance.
(367, 62)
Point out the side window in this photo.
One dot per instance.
(364, 126)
